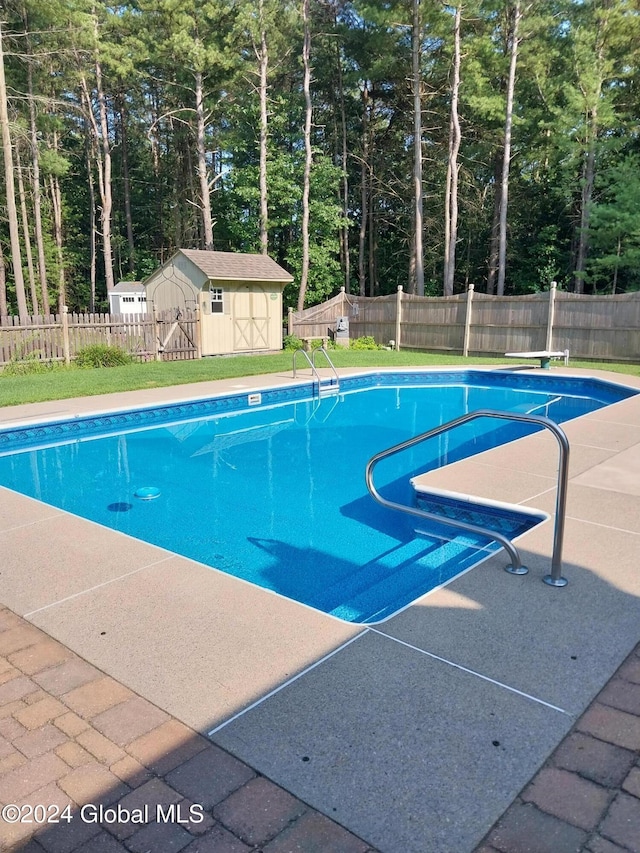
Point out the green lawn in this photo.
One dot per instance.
(60, 382)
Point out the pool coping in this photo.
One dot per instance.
(334, 646)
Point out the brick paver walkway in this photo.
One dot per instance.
(84, 747)
(119, 774)
(587, 795)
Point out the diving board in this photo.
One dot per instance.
(545, 356)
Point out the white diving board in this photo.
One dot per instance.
(545, 356)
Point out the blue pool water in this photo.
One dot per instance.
(275, 493)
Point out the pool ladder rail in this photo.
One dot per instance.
(515, 567)
(330, 385)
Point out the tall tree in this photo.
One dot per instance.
(56, 204)
(263, 62)
(615, 227)
(26, 234)
(308, 152)
(36, 189)
(12, 210)
(202, 35)
(514, 40)
(602, 42)
(453, 167)
(416, 81)
(97, 113)
(4, 308)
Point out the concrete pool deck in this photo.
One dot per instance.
(415, 734)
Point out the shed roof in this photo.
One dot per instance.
(128, 287)
(237, 266)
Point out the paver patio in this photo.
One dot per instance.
(54, 752)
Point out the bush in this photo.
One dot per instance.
(102, 355)
(31, 364)
(366, 342)
(291, 342)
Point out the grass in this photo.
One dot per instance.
(64, 382)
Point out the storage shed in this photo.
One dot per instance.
(128, 297)
(239, 297)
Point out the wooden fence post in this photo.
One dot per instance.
(64, 317)
(467, 320)
(551, 316)
(290, 320)
(154, 332)
(398, 315)
(198, 334)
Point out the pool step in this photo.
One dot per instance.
(438, 553)
(509, 519)
(420, 565)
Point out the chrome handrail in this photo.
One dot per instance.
(330, 363)
(311, 365)
(516, 567)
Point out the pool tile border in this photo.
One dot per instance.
(23, 437)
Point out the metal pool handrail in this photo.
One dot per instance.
(516, 567)
(314, 370)
(329, 362)
(311, 364)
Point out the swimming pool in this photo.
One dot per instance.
(269, 486)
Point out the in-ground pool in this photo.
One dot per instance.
(270, 486)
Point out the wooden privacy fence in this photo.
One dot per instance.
(59, 337)
(604, 328)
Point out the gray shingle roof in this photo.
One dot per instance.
(237, 266)
(128, 287)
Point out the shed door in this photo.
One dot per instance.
(250, 318)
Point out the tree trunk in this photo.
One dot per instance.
(37, 199)
(56, 205)
(12, 211)
(372, 225)
(263, 59)
(26, 236)
(107, 203)
(4, 310)
(207, 222)
(126, 181)
(92, 219)
(588, 176)
(364, 192)
(495, 227)
(345, 180)
(306, 183)
(504, 184)
(373, 247)
(102, 154)
(417, 148)
(451, 204)
(158, 183)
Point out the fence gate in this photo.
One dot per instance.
(177, 331)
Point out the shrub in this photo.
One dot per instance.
(31, 364)
(291, 342)
(366, 342)
(101, 355)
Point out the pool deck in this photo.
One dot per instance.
(131, 675)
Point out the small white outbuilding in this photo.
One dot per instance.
(128, 297)
(239, 297)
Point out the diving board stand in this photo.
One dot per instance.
(545, 356)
